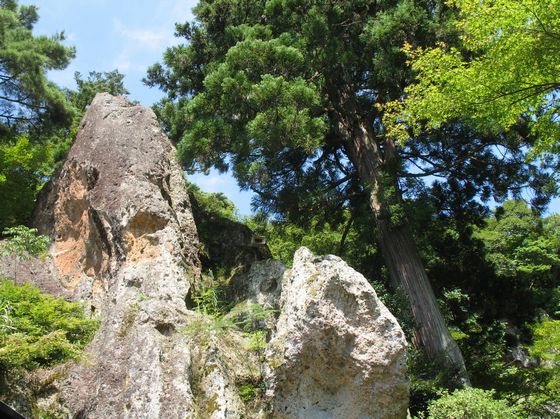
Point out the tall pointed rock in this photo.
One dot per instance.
(124, 241)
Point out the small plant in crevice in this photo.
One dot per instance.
(251, 391)
(256, 341)
(247, 318)
(221, 320)
(221, 315)
(209, 301)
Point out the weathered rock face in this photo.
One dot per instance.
(118, 200)
(227, 245)
(125, 241)
(337, 351)
(261, 284)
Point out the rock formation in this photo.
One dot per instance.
(125, 243)
(337, 351)
(227, 245)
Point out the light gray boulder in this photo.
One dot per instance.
(337, 351)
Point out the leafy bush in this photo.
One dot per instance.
(24, 243)
(547, 341)
(546, 346)
(39, 330)
(473, 403)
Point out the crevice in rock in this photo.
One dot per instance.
(101, 232)
(164, 188)
(92, 175)
(166, 329)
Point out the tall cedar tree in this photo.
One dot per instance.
(289, 93)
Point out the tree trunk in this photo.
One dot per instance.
(399, 249)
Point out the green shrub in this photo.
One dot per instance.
(24, 243)
(39, 330)
(547, 341)
(473, 403)
(545, 399)
(251, 391)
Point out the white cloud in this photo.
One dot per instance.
(71, 37)
(152, 38)
(122, 62)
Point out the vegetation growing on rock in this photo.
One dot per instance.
(38, 330)
(351, 150)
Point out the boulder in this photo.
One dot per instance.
(337, 351)
(261, 284)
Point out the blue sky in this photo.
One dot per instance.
(129, 35)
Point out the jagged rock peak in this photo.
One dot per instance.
(125, 242)
(118, 199)
(337, 351)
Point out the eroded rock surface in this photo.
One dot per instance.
(261, 284)
(125, 243)
(337, 351)
(124, 240)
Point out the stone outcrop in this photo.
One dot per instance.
(124, 241)
(261, 284)
(337, 351)
(226, 244)
(119, 200)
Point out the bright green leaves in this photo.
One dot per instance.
(506, 70)
(36, 330)
(472, 403)
(547, 341)
(546, 346)
(39, 330)
(22, 168)
(517, 243)
(24, 243)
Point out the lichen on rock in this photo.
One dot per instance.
(125, 242)
(337, 351)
